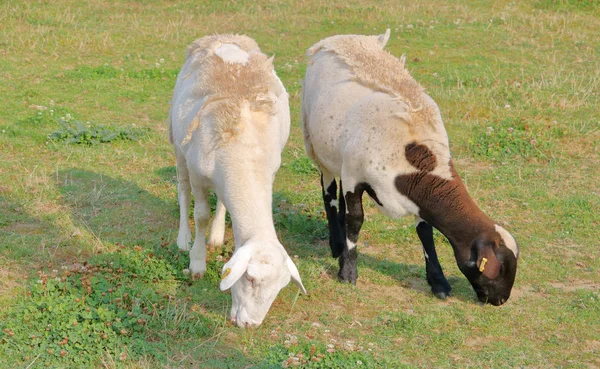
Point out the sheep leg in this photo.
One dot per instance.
(185, 197)
(201, 218)
(336, 232)
(217, 228)
(353, 221)
(435, 276)
(342, 213)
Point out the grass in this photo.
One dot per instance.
(517, 84)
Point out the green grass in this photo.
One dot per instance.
(87, 180)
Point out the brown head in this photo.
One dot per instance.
(492, 265)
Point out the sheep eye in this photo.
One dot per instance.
(250, 279)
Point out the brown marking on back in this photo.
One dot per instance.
(420, 157)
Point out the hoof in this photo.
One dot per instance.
(197, 269)
(347, 279)
(441, 295)
(196, 276)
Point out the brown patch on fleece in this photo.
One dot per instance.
(420, 157)
(379, 70)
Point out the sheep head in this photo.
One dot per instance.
(492, 266)
(256, 273)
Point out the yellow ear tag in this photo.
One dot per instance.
(226, 273)
(482, 266)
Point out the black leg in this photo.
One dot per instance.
(342, 214)
(435, 276)
(353, 222)
(337, 238)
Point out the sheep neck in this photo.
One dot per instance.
(248, 198)
(446, 205)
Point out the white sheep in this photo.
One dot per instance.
(229, 122)
(368, 122)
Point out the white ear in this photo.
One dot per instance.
(236, 266)
(403, 61)
(383, 39)
(295, 275)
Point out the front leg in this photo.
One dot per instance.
(217, 228)
(201, 218)
(184, 194)
(353, 221)
(336, 232)
(435, 276)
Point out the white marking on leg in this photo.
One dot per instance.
(417, 222)
(350, 244)
(334, 203)
(508, 239)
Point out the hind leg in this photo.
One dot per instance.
(336, 231)
(185, 197)
(353, 220)
(217, 228)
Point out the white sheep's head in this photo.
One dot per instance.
(256, 273)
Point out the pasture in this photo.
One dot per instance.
(90, 275)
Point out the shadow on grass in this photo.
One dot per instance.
(116, 210)
(119, 212)
(307, 236)
(31, 239)
(21, 248)
(414, 277)
(168, 174)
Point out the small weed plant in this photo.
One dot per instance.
(321, 356)
(70, 130)
(74, 131)
(114, 305)
(303, 165)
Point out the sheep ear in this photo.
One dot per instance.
(403, 61)
(487, 263)
(383, 39)
(235, 267)
(295, 275)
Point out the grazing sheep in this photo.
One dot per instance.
(368, 122)
(229, 122)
